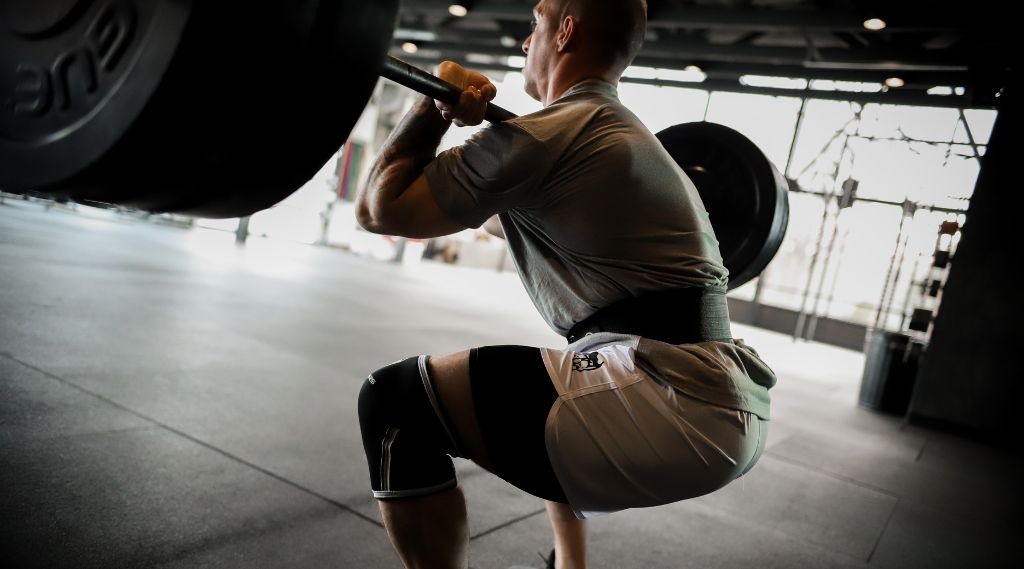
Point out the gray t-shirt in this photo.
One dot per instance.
(593, 207)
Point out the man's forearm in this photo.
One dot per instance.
(407, 151)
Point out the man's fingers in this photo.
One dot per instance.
(470, 98)
(470, 109)
(489, 91)
(474, 105)
(477, 92)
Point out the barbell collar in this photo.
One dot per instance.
(434, 87)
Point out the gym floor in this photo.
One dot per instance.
(168, 399)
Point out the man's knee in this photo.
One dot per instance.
(405, 436)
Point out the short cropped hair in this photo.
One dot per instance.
(614, 29)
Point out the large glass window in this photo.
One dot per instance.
(911, 168)
(662, 107)
(768, 121)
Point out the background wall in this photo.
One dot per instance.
(970, 376)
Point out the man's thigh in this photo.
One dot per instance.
(451, 378)
(497, 399)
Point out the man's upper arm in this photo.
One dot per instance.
(415, 213)
(499, 168)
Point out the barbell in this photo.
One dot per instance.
(222, 109)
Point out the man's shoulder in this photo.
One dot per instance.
(567, 117)
(570, 107)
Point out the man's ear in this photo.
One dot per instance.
(566, 34)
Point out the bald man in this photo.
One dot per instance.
(652, 401)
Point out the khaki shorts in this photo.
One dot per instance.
(619, 439)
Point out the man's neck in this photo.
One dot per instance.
(566, 74)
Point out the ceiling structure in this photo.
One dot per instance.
(950, 54)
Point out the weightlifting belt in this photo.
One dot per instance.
(676, 316)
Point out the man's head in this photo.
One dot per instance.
(577, 39)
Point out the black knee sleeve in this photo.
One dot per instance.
(405, 433)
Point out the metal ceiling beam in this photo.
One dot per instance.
(729, 70)
(733, 70)
(892, 97)
(857, 58)
(515, 11)
(754, 19)
(770, 20)
(693, 52)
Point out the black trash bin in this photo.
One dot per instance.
(889, 371)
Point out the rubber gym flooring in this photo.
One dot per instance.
(168, 399)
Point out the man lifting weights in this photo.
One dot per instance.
(652, 401)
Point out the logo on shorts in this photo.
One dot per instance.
(587, 362)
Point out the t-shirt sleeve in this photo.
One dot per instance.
(497, 169)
